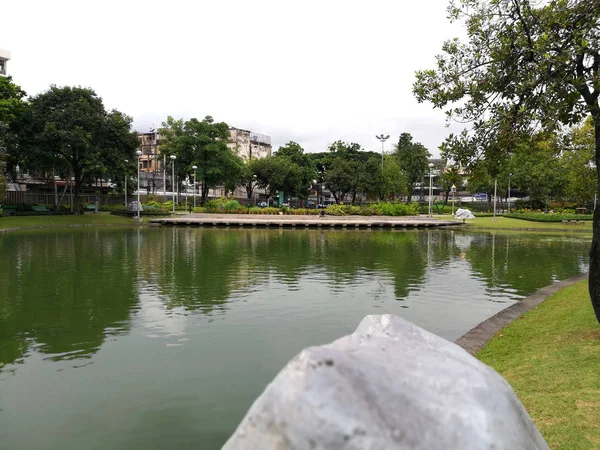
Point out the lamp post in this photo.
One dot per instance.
(382, 138)
(453, 197)
(126, 163)
(195, 168)
(316, 192)
(139, 154)
(173, 158)
(430, 186)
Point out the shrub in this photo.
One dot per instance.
(335, 210)
(396, 209)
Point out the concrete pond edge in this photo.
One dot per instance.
(477, 338)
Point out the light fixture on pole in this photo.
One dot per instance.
(194, 168)
(430, 186)
(382, 138)
(173, 158)
(139, 154)
(453, 197)
(126, 164)
(316, 193)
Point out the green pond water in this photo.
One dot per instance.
(162, 338)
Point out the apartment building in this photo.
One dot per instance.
(4, 58)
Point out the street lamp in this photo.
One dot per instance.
(126, 163)
(453, 197)
(139, 154)
(382, 138)
(317, 192)
(430, 186)
(194, 168)
(173, 158)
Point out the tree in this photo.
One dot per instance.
(578, 163)
(69, 128)
(273, 174)
(249, 176)
(450, 177)
(412, 157)
(526, 66)
(301, 169)
(203, 144)
(11, 105)
(340, 178)
(537, 169)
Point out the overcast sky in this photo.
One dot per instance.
(309, 71)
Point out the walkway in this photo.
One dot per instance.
(290, 221)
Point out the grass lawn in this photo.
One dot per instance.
(50, 221)
(551, 358)
(517, 224)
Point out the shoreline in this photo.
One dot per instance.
(478, 337)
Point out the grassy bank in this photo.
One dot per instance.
(551, 357)
(52, 221)
(506, 223)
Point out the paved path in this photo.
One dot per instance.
(257, 220)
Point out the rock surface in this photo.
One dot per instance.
(389, 385)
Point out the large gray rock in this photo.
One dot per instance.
(389, 385)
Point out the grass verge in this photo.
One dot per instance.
(52, 221)
(506, 223)
(551, 358)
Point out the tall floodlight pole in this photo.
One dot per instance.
(126, 163)
(382, 138)
(173, 158)
(430, 186)
(139, 154)
(194, 168)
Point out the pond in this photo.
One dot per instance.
(162, 338)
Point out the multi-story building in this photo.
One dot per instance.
(4, 58)
(149, 143)
(248, 144)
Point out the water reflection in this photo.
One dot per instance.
(64, 293)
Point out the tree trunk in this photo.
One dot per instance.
(77, 201)
(353, 197)
(337, 201)
(204, 193)
(594, 273)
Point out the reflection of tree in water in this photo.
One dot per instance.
(525, 262)
(200, 269)
(62, 293)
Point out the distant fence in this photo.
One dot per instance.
(30, 198)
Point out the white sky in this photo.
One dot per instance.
(309, 71)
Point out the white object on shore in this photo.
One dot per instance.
(464, 214)
(389, 385)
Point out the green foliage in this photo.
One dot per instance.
(202, 144)
(396, 209)
(222, 204)
(376, 209)
(539, 216)
(68, 129)
(412, 159)
(518, 73)
(582, 178)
